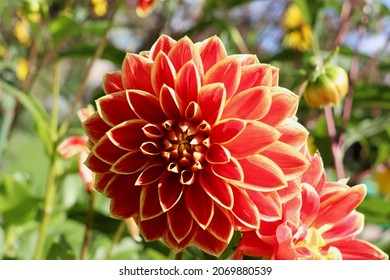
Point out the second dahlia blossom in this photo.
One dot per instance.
(195, 144)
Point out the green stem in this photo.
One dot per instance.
(88, 225)
(56, 95)
(117, 236)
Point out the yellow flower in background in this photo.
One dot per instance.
(22, 32)
(383, 180)
(3, 51)
(299, 35)
(21, 68)
(99, 7)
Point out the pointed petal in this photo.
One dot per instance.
(175, 246)
(72, 146)
(221, 225)
(151, 174)
(149, 202)
(145, 7)
(211, 51)
(246, 59)
(255, 75)
(101, 180)
(136, 73)
(251, 245)
(195, 195)
(209, 244)
(187, 83)
(245, 211)
(268, 204)
(315, 173)
(257, 137)
(95, 127)
(112, 82)
(293, 189)
(251, 104)
(169, 190)
(226, 71)
(180, 221)
(275, 76)
(164, 44)
(217, 189)
(348, 227)
(292, 133)
(107, 151)
(310, 204)
(170, 103)
(218, 154)
(354, 249)
(128, 135)
(155, 228)
(230, 171)
(227, 130)
(130, 163)
(163, 72)
(212, 99)
(96, 165)
(262, 174)
(146, 106)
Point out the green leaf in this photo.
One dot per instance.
(64, 26)
(61, 250)
(376, 210)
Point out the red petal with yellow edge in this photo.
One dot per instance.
(144, 7)
(211, 51)
(290, 160)
(348, 227)
(217, 189)
(184, 51)
(136, 73)
(226, 71)
(107, 151)
(164, 44)
(96, 165)
(146, 106)
(170, 103)
(268, 204)
(246, 59)
(293, 133)
(180, 221)
(227, 130)
(310, 204)
(354, 249)
(284, 105)
(101, 180)
(262, 174)
(221, 226)
(315, 173)
(130, 163)
(251, 245)
(285, 250)
(169, 190)
(209, 244)
(121, 184)
(163, 72)
(218, 154)
(95, 127)
(128, 135)
(211, 99)
(275, 76)
(253, 139)
(293, 189)
(175, 246)
(255, 75)
(149, 202)
(195, 195)
(245, 211)
(231, 171)
(187, 83)
(112, 82)
(151, 174)
(251, 104)
(155, 228)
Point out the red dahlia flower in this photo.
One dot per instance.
(321, 223)
(195, 144)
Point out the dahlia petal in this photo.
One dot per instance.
(107, 151)
(95, 127)
(182, 52)
(293, 189)
(217, 189)
(128, 135)
(245, 211)
(101, 180)
(286, 250)
(292, 133)
(153, 131)
(257, 137)
(262, 174)
(130, 163)
(221, 226)
(211, 51)
(163, 72)
(217, 154)
(195, 195)
(255, 75)
(284, 105)
(179, 212)
(209, 244)
(175, 246)
(246, 59)
(187, 83)
(151, 148)
(211, 99)
(164, 44)
(112, 82)
(291, 210)
(275, 76)
(354, 249)
(251, 104)
(149, 203)
(169, 102)
(226, 71)
(146, 106)
(315, 173)
(136, 73)
(226, 130)
(120, 185)
(170, 190)
(230, 171)
(193, 112)
(144, 7)
(96, 165)
(268, 204)
(290, 160)
(150, 174)
(348, 227)
(154, 228)
(310, 204)
(72, 146)
(251, 245)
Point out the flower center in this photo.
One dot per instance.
(184, 147)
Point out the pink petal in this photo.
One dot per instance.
(130, 163)
(211, 51)
(187, 83)
(257, 137)
(149, 202)
(354, 249)
(268, 204)
(251, 104)
(169, 103)
(95, 127)
(151, 174)
(107, 151)
(170, 190)
(211, 99)
(180, 221)
(209, 244)
(262, 174)
(195, 195)
(163, 72)
(164, 44)
(96, 165)
(245, 211)
(255, 75)
(293, 189)
(227, 130)
(218, 154)
(136, 73)
(146, 106)
(154, 228)
(226, 71)
(291, 210)
(310, 204)
(128, 135)
(286, 250)
(217, 189)
(230, 171)
(72, 146)
(112, 82)
(293, 133)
